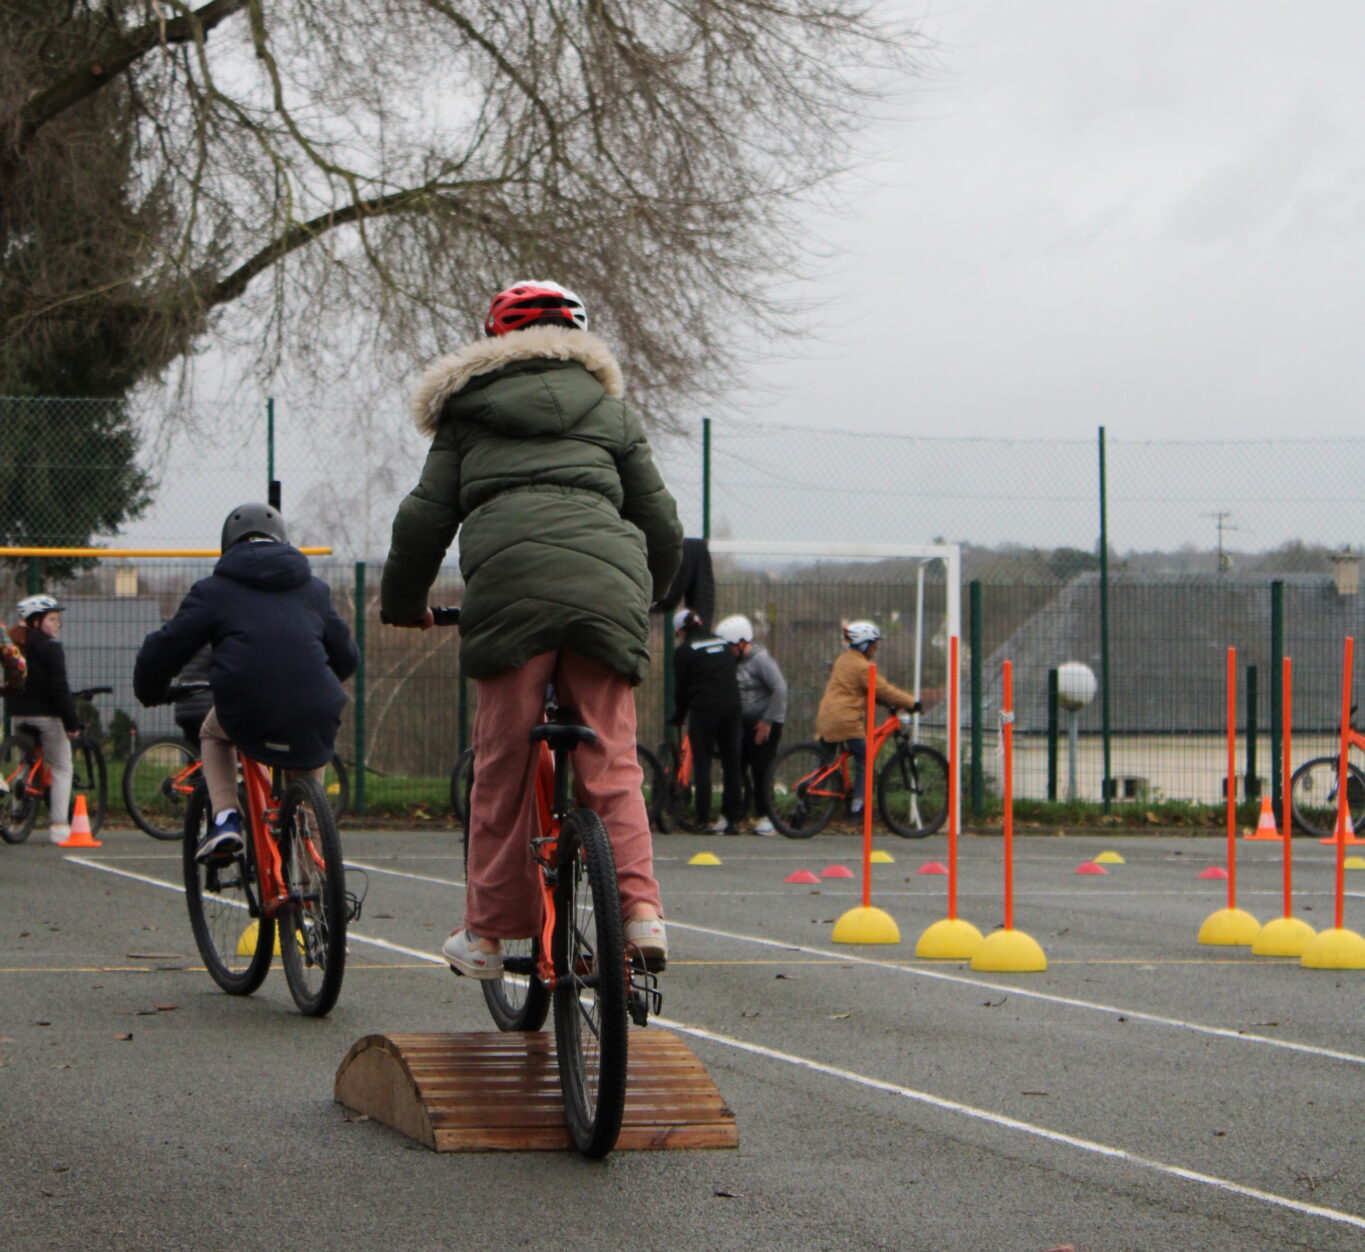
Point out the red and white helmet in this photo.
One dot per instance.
(861, 633)
(527, 302)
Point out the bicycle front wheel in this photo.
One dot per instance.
(90, 779)
(912, 791)
(802, 789)
(158, 781)
(1313, 794)
(590, 985)
(224, 901)
(336, 783)
(19, 805)
(461, 785)
(312, 924)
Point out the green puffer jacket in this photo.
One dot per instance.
(569, 534)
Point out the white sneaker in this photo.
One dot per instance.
(58, 834)
(650, 937)
(764, 826)
(468, 960)
(718, 827)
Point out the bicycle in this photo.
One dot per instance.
(678, 803)
(160, 777)
(808, 780)
(652, 782)
(1315, 785)
(288, 877)
(28, 777)
(578, 964)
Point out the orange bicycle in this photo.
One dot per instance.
(1314, 788)
(579, 962)
(809, 780)
(676, 803)
(287, 878)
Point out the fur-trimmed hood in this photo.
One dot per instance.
(448, 375)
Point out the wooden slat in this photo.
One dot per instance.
(499, 1092)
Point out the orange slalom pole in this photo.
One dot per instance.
(1343, 785)
(1007, 736)
(867, 783)
(1286, 805)
(1232, 778)
(952, 777)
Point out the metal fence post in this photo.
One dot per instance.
(978, 776)
(1253, 783)
(358, 791)
(1107, 790)
(1052, 733)
(1276, 691)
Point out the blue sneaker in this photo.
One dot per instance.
(223, 841)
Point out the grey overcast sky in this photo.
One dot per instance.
(1147, 214)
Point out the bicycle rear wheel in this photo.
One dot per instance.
(912, 791)
(1313, 796)
(19, 806)
(802, 789)
(224, 902)
(590, 985)
(158, 782)
(313, 924)
(90, 779)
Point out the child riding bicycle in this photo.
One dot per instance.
(280, 655)
(567, 535)
(45, 701)
(842, 716)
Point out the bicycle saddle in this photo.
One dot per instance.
(563, 732)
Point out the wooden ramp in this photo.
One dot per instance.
(499, 1092)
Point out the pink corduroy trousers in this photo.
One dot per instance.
(503, 896)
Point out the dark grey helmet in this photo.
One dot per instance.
(253, 519)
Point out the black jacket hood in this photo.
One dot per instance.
(265, 566)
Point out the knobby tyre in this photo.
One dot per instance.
(312, 924)
(802, 790)
(158, 781)
(1313, 796)
(461, 786)
(336, 782)
(224, 899)
(518, 1000)
(912, 791)
(661, 811)
(19, 806)
(590, 997)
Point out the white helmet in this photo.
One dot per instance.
(33, 605)
(681, 618)
(736, 629)
(860, 633)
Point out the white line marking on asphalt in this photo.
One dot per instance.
(909, 1093)
(1133, 1014)
(1012, 1123)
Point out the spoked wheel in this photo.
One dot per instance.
(336, 783)
(652, 783)
(461, 785)
(224, 898)
(18, 806)
(90, 779)
(1313, 796)
(803, 787)
(912, 791)
(158, 781)
(590, 985)
(680, 799)
(518, 1000)
(313, 924)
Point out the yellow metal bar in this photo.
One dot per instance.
(127, 552)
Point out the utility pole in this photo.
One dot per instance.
(1221, 521)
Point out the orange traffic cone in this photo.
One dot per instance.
(80, 836)
(1265, 827)
(1344, 832)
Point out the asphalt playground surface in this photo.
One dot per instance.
(1145, 1092)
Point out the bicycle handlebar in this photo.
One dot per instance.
(87, 693)
(446, 615)
(183, 691)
